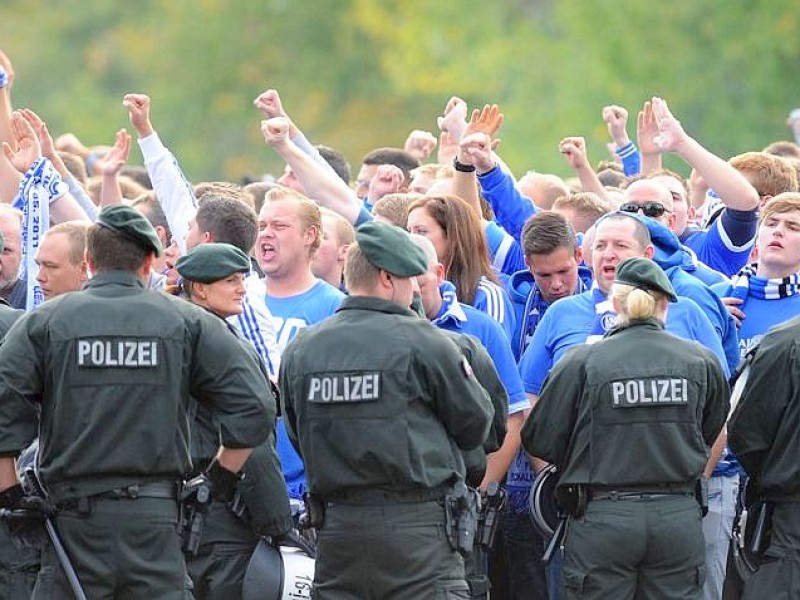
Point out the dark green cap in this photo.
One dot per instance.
(645, 274)
(390, 248)
(208, 263)
(132, 224)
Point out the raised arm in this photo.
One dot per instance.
(110, 166)
(616, 118)
(574, 151)
(320, 184)
(174, 192)
(733, 188)
(646, 134)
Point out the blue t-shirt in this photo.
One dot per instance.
(569, 322)
(290, 315)
(760, 315)
(462, 318)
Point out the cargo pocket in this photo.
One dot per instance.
(452, 589)
(574, 582)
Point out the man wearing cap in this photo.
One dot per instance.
(629, 422)
(379, 403)
(114, 369)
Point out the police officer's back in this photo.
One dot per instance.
(628, 422)
(763, 433)
(114, 367)
(379, 403)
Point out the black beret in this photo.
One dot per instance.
(390, 248)
(132, 224)
(208, 263)
(645, 274)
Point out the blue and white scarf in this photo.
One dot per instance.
(40, 186)
(746, 283)
(605, 317)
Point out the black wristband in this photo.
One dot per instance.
(223, 481)
(462, 168)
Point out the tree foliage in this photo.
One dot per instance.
(357, 74)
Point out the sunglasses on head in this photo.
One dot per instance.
(649, 209)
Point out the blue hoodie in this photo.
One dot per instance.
(521, 289)
(679, 266)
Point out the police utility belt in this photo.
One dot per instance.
(572, 499)
(167, 490)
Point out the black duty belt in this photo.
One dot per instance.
(377, 497)
(638, 493)
(162, 489)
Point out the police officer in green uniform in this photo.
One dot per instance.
(629, 422)
(114, 369)
(763, 434)
(18, 566)
(379, 404)
(213, 278)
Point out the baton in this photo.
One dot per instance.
(63, 560)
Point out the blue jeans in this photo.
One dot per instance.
(717, 525)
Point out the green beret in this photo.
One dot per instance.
(645, 274)
(132, 224)
(208, 263)
(390, 248)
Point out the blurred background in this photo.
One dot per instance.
(358, 74)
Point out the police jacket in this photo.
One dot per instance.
(377, 398)
(486, 374)
(114, 368)
(640, 407)
(262, 489)
(763, 431)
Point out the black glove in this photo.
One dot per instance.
(26, 521)
(223, 481)
(9, 497)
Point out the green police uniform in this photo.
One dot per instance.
(228, 539)
(763, 434)
(630, 419)
(486, 374)
(114, 368)
(18, 566)
(380, 404)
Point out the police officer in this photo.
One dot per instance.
(379, 403)
(18, 566)
(113, 369)
(629, 422)
(763, 434)
(213, 277)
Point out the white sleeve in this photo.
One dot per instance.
(174, 192)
